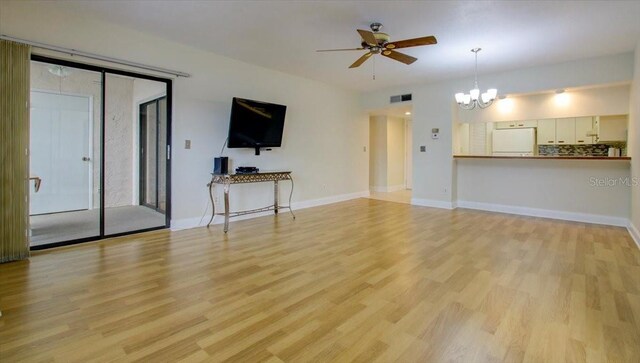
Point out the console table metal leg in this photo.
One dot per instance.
(213, 205)
(290, 195)
(275, 196)
(226, 208)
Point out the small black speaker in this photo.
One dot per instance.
(221, 165)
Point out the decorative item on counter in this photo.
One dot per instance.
(614, 152)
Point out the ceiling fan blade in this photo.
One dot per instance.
(416, 42)
(338, 50)
(400, 57)
(361, 60)
(368, 37)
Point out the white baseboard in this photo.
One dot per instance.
(433, 203)
(546, 213)
(387, 188)
(186, 223)
(635, 234)
(329, 200)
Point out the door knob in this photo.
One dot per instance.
(86, 158)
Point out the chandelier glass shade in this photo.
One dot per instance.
(472, 99)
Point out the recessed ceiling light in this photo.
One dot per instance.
(562, 99)
(407, 113)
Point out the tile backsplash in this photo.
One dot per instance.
(580, 150)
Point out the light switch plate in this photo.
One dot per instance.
(187, 144)
(423, 149)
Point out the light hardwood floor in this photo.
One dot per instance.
(364, 280)
(400, 196)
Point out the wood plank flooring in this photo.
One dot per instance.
(363, 281)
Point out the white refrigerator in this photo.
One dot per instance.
(514, 142)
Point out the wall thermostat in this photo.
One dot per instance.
(435, 133)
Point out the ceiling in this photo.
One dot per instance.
(284, 35)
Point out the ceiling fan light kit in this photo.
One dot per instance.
(474, 98)
(377, 42)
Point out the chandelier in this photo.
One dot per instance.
(474, 98)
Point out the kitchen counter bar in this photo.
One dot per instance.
(610, 158)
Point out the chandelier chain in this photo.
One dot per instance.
(476, 73)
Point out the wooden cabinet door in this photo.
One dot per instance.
(566, 131)
(526, 123)
(505, 124)
(584, 128)
(546, 133)
(612, 128)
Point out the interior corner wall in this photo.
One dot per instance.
(378, 153)
(325, 130)
(395, 153)
(634, 146)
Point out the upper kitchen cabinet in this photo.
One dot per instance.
(611, 128)
(516, 124)
(547, 132)
(566, 130)
(584, 130)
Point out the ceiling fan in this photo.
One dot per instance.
(376, 42)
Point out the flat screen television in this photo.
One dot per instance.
(255, 124)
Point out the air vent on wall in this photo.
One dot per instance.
(401, 98)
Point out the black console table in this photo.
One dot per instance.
(227, 179)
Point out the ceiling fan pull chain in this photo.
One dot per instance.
(374, 68)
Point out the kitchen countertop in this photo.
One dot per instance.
(539, 157)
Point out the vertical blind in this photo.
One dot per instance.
(14, 144)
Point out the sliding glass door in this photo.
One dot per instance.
(135, 154)
(64, 153)
(99, 152)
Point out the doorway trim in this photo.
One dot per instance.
(169, 95)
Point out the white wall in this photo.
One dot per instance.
(395, 152)
(599, 101)
(325, 130)
(408, 153)
(387, 153)
(585, 190)
(378, 152)
(434, 107)
(634, 146)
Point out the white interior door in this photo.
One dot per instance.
(60, 152)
